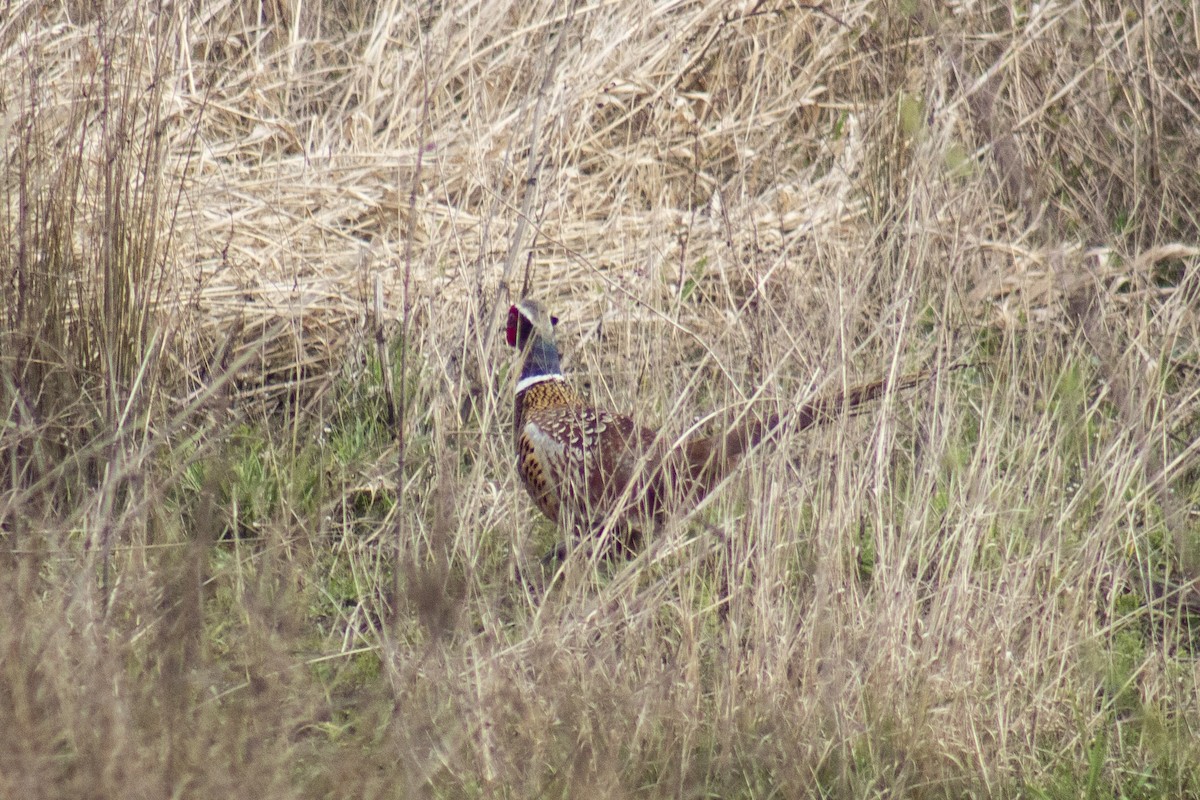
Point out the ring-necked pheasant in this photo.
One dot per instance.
(585, 467)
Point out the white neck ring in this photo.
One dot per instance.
(525, 383)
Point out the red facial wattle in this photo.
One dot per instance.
(510, 333)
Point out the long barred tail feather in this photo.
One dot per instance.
(700, 463)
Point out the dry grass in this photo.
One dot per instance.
(225, 574)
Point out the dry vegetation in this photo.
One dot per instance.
(225, 573)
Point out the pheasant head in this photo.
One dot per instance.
(531, 331)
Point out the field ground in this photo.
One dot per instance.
(260, 531)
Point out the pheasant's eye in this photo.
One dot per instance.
(510, 332)
(553, 320)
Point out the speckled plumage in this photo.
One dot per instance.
(576, 461)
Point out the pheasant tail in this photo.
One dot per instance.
(702, 463)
